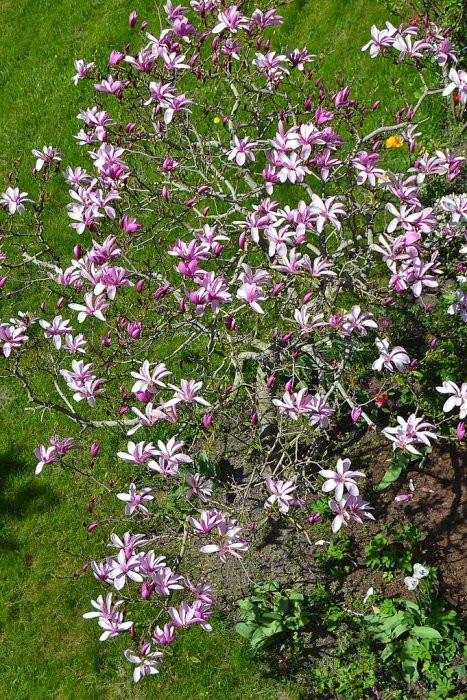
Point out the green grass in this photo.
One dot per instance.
(48, 650)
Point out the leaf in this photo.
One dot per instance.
(425, 633)
(244, 630)
(409, 661)
(390, 476)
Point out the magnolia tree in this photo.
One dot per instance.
(238, 236)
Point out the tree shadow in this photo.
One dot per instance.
(28, 498)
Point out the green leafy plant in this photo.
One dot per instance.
(394, 548)
(271, 616)
(400, 462)
(417, 636)
(334, 559)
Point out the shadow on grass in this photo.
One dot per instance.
(25, 498)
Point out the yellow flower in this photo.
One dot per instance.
(393, 142)
(384, 178)
(216, 120)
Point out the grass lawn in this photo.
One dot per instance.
(47, 649)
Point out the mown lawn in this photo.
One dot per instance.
(47, 649)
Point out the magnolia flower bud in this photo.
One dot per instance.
(146, 590)
(289, 385)
(460, 431)
(161, 291)
(307, 297)
(130, 127)
(8, 295)
(190, 202)
(433, 342)
(143, 25)
(165, 193)
(241, 240)
(277, 289)
(270, 380)
(412, 365)
(77, 251)
(43, 307)
(205, 211)
(314, 517)
(254, 418)
(139, 286)
(3, 281)
(115, 58)
(181, 305)
(132, 19)
(94, 449)
(92, 526)
(230, 323)
(207, 420)
(306, 104)
(134, 329)
(356, 413)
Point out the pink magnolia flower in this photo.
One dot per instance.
(230, 19)
(105, 609)
(208, 521)
(82, 70)
(164, 636)
(45, 455)
(380, 39)
(113, 626)
(460, 305)
(241, 150)
(328, 210)
(227, 541)
(93, 306)
(185, 615)
(199, 486)
(397, 357)
(138, 453)
(458, 82)
(170, 457)
(340, 479)
(150, 380)
(11, 337)
(14, 200)
(356, 320)
(56, 329)
(125, 567)
(135, 500)
(280, 494)
(409, 433)
(111, 86)
(458, 398)
(147, 661)
(188, 392)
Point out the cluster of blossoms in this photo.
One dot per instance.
(346, 506)
(224, 532)
(132, 565)
(241, 250)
